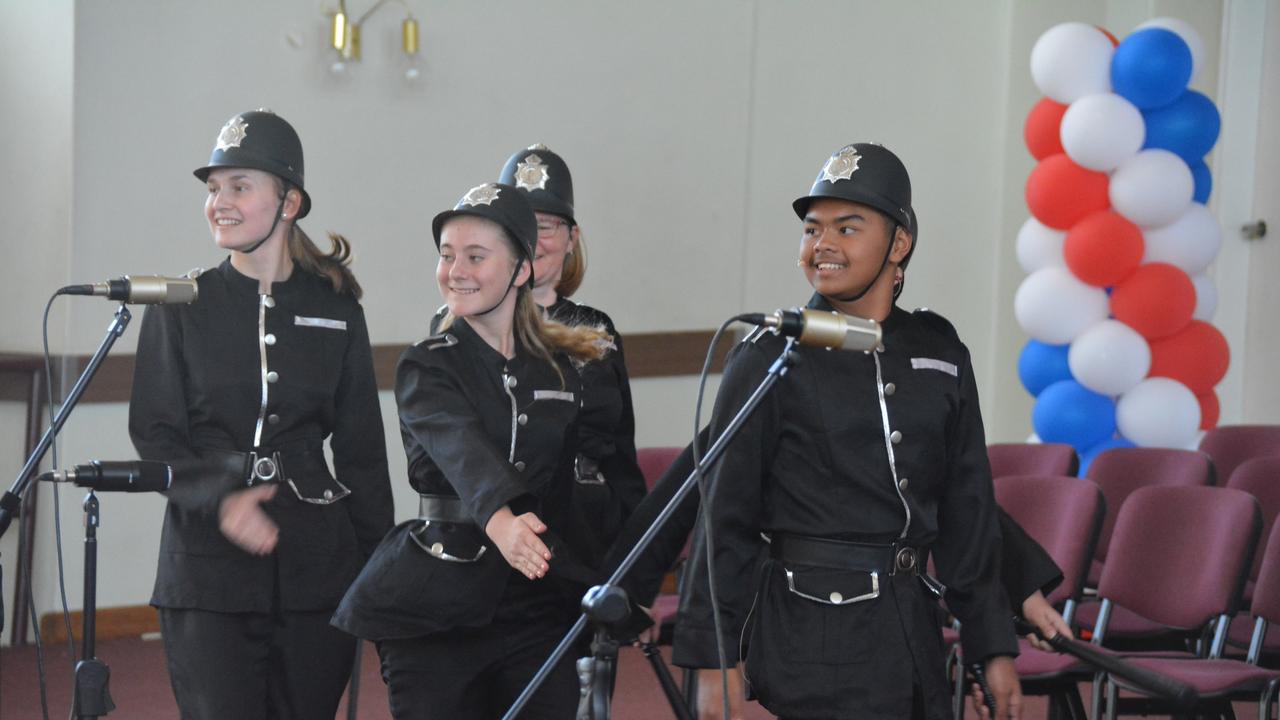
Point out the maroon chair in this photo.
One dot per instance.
(1064, 515)
(1218, 681)
(1259, 477)
(1032, 459)
(654, 461)
(1119, 473)
(1180, 558)
(1230, 445)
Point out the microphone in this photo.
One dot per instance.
(110, 476)
(820, 328)
(141, 290)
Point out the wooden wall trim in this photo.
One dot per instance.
(649, 355)
(109, 624)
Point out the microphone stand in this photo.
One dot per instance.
(771, 378)
(11, 501)
(92, 696)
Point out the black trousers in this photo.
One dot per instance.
(475, 674)
(256, 666)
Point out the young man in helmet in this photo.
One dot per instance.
(848, 477)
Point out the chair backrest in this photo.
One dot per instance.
(1260, 477)
(1266, 594)
(1180, 555)
(1121, 471)
(654, 461)
(1064, 515)
(1032, 459)
(1230, 445)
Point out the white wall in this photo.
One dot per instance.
(690, 127)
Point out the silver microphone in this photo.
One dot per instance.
(821, 328)
(141, 290)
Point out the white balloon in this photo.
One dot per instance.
(1206, 297)
(1195, 444)
(1152, 188)
(1034, 439)
(1188, 35)
(1159, 412)
(1054, 307)
(1072, 60)
(1191, 242)
(1101, 131)
(1109, 358)
(1040, 246)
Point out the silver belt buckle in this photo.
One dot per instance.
(262, 469)
(905, 560)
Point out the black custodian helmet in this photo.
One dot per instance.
(260, 140)
(545, 177)
(864, 173)
(502, 204)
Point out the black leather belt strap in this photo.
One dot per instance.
(844, 555)
(442, 508)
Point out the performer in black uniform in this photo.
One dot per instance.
(610, 484)
(855, 468)
(467, 601)
(239, 392)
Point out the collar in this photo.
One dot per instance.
(243, 283)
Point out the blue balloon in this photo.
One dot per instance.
(1041, 365)
(1204, 181)
(1187, 127)
(1151, 67)
(1068, 412)
(1087, 456)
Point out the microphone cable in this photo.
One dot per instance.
(705, 513)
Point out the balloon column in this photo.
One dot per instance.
(1116, 300)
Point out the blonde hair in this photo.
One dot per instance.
(333, 265)
(544, 337)
(575, 267)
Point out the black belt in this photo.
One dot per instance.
(892, 559)
(265, 464)
(442, 508)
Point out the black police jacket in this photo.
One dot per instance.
(490, 432)
(237, 373)
(815, 460)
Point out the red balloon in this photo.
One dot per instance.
(1060, 193)
(1103, 249)
(1157, 300)
(1041, 131)
(1208, 410)
(1196, 356)
(1112, 38)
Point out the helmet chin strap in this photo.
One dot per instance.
(510, 284)
(885, 261)
(274, 223)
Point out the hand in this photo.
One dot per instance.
(1037, 611)
(244, 522)
(1003, 679)
(711, 695)
(516, 537)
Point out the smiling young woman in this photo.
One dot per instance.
(469, 599)
(239, 393)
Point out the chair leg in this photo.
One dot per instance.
(1095, 701)
(1113, 697)
(1075, 705)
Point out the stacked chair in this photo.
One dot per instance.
(1194, 585)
